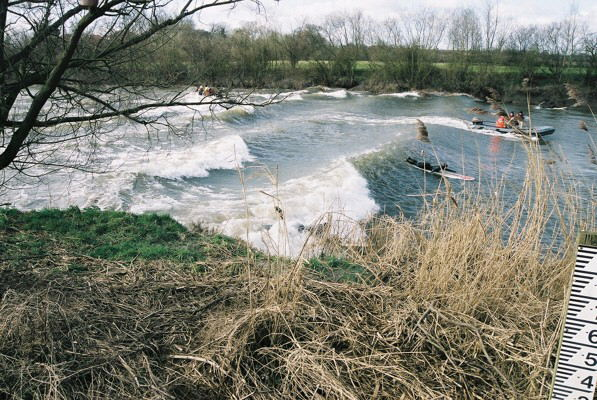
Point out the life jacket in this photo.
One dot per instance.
(501, 122)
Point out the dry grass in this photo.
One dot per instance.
(583, 125)
(422, 133)
(464, 303)
(575, 94)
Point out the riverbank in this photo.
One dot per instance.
(548, 95)
(114, 305)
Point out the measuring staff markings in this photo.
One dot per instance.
(576, 369)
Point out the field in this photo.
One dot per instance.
(366, 66)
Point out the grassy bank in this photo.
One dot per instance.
(464, 302)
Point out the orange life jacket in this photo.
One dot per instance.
(501, 122)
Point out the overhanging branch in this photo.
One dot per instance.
(130, 112)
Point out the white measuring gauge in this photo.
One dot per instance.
(576, 367)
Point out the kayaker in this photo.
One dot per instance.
(501, 122)
(425, 155)
(520, 118)
(512, 120)
(440, 167)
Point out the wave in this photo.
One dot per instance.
(338, 194)
(67, 188)
(181, 116)
(229, 152)
(444, 121)
(296, 95)
(449, 94)
(431, 120)
(402, 94)
(327, 92)
(233, 114)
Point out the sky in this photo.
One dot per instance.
(288, 14)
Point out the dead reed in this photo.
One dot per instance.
(583, 125)
(422, 133)
(574, 94)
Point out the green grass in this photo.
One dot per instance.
(336, 269)
(62, 239)
(109, 235)
(364, 66)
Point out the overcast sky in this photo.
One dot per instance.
(288, 14)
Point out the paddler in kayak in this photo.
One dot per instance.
(520, 118)
(425, 156)
(501, 122)
(426, 166)
(512, 121)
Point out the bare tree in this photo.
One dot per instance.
(67, 70)
(493, 27)
(344, 30)
(424, 29)
(302, 43)
(390, 32)
(294, 45)
(561, 41)
(348, 36)
(413, 40)
(589, 48)
(465, 33)
(526, 42)
(525, 38)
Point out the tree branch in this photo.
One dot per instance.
(45, 92)
(129, 112)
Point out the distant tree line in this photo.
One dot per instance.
(466, 50)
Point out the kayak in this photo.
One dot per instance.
(488, 128)
(443, 172)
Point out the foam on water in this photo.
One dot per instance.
(449, 94)
(182, 115)
(338, 194)
(294, 96)
(403, 94)
(63, 190)
(117, 188)
(337, 94)
(431, 120)
(195, 161)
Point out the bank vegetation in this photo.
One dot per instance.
(468, 50)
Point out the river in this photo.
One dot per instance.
(268, 174)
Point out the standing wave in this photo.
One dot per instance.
(229, 152)
(278, 219)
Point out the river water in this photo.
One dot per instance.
(268, 174)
